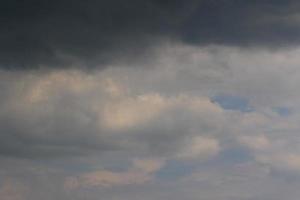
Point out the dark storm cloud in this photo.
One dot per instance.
(270, 23)
(61, 32)
(88, 33)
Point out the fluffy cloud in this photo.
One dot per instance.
(90, 126)
(149, 100)
(65, 112)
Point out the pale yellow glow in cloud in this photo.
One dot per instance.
(259, 142)
(131, 111)
(50, 84)
(148, 165)
(12, 190)
(282, 161)
(112, 101)
(200, 147)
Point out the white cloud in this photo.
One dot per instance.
(199, 148)
(163, 111)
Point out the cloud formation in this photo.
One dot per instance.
(71, 112)
(13, 190)
(93, 33)
(149, 100)
(141, 172)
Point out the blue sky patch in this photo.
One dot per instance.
(283, 111)
(175, 169)
(230, 102)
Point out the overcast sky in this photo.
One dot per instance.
(149, 100)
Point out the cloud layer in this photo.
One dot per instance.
(149, 100)
(196, 114)
(92, 33)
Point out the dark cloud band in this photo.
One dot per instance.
(88, 33)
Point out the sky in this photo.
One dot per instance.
(149, 100)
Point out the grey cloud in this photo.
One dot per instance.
(71, 112)
(60, 123)
(65, 113)
(91, 33)
(61, 33)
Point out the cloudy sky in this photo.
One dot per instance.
(149, 99)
